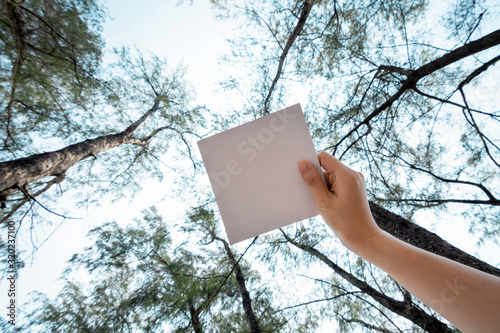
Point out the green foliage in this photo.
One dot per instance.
(139, 281)
(425, 150)
(56, 92)
(51, 52)
(433, 149)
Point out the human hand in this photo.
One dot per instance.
(342, 202)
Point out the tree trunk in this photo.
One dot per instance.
(195, 319)
(17, 174)
(403, 308)
(422, 238)
(245, 295)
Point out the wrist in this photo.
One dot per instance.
(368, 243)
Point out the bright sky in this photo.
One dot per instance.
(185, 34)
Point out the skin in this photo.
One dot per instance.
(468, 298)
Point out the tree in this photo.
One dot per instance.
(204, 222)
(143, 283)
(407, 107)
(51, 53)
(55, 88)
(381, 93)
(140, 281)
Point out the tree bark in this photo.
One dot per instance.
(245, 295)
(403, 308)
(306, 9)
(17, 174)
(195, 319)
(415, 235)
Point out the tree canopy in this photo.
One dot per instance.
(403, 91)
(58, 90)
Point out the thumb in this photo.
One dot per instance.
(315, 182)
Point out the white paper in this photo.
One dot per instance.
(253, 172)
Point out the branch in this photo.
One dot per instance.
(436, 202)
(228, 275)
(133, 127)
(442, 100)
(136, 158)
(478, 71)
(56, 180)
(245, 295)
(298, 28)
(254, 12)
(181, 134)
(365, 324)
(422, 238)
(473, 123)
(16, 27)
(446, 180)
(460, 53)
(413, 313)
(317, 301)
(358, 297)
(18, 173)
(30, 197)
(394, 69)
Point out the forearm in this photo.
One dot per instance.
(468, 298)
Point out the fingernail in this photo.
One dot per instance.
(303, 166)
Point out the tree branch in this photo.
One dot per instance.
(298, 28)
(455, 181)
(478, 71)
(365, 324)
(473, 123)
(18, 173)
(460, 53)
(48, 185)
(245, 295)
(414, 314)
(228, 275)
(317, 301)
(422, 238)
(436, 202)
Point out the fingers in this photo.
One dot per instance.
(315, 182)
(328, 162)
(330, 178)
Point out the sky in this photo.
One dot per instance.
(185, 34)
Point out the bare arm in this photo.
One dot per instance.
(468, 298)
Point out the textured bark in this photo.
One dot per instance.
(245, 295)
(17, 174)
(422, 238)
(403, 308)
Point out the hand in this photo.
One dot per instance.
(475, 296)
(342, 202)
